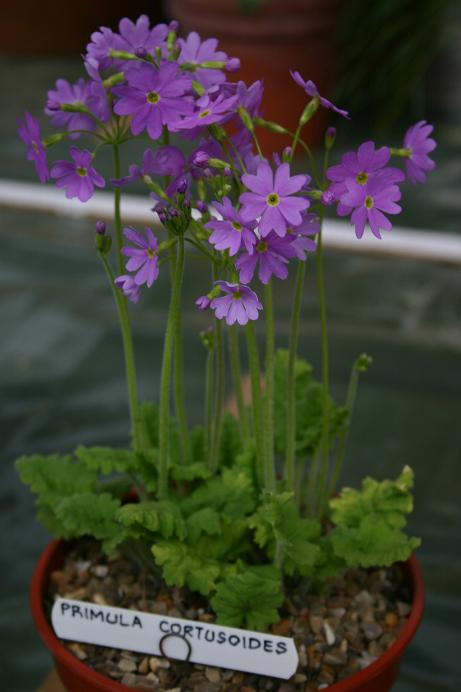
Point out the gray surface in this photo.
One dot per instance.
(62, 382)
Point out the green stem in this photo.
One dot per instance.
(117, 211)
(219, 401)
(269, 475)
(291, 383)
(128, 350)
(312, 484)
(325, 372)
(165, 379)
(209, 401)
(295, 141)
(179, 398)
(253, 361)
(234, 354)
(340, 452)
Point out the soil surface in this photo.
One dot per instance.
(337, 633)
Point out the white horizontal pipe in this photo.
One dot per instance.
(339, 235)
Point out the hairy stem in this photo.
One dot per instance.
(253, 361)
(291, 383)
(209, 401)
(117, 211)
(219, 400)
(234, 354)
(269, 475)
(165, 379)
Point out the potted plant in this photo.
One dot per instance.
(235, 527)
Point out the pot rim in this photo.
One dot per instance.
(51, 553)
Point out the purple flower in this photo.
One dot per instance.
(230, 232)
(271, 198)
(208, 112)
(419, 144)
(369, 201)
(166, 160)
(29, 131)
(129, 287)
(79, 178)
(143, 258)
(90, 95)
(312, 91)
(194, 51)
(240, 304)
(271, 254)
(102, 43)
(203, 302)
(360, 167)
(301, 241)
(139, 35)
(153, 97)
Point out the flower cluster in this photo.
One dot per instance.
(254, 216)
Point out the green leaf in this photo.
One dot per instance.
(372, 544)
(53, 477)
(279, 528)
(390, 500)
(90, 514)
(249, 599)
(231, 542)
(161, 517)
(197, 439)
(106, 460)
(230, 443)
(183, 566)
(206, 521)
(231, 495)
(198, 470)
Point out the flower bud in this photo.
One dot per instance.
(173, 25)
(245, 117)
(363, 362)
(182, 187)
(287, 154)
(100, 227)
(203, 303)
(328, 197)
(200, 159)
(233, 64)
(201, 206)
(330, 136)
(141, 52)
(227, 172)
(309, 111)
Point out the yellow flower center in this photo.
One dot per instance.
(236, 226)
(369, 202)
(204, 113)
(273, 199)
(150, 253)
(237, 295)
(152, 97)
(82, 172)
(261, 246)
(362, 178)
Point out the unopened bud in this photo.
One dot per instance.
(200, 159)
(203, 303)
(245, 117)
(270, 125)
(201, 206)
(173, 25)
(328, 198)
(330, 136)
(287, 154)
(141, 52)
(363, 362)
(233, 64)
(182, 187)
(100, 227)
(309, 111)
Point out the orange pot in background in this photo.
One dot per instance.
(281, 35)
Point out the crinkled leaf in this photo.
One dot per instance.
(161, 517)
(278, 526)
(390, 500)
(249, 599)
(190, 472)
(373, 543)
(90, 514)
(53, 477)
(182, 565)
(204, 521)
(231, 542)
(231, 495)
(106, 460)
(230, 444)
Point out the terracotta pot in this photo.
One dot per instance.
(77, 677)
(281, 35)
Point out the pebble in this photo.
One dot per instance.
(143, 667)
(79, 651)
(403, 609)
(329, 634)
(391, 620)
(127, 665)
(316, 623)
(99, 599)
(129, 680)
(100, 571)
(212, 674)
(372, 630)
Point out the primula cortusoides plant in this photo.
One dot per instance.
(240, 506)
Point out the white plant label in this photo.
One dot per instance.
(159, 635)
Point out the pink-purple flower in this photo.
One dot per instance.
(370, 203)
(419, 144)
(302, 241)
(270, 255)
(195, 52)
(129, 287)
(153, 98)
(240, 304)
(312, 91)
(77, 177)
(208, 112)
(272, 198)
(29, 131)
(143, 259)
(231, 232)
(81, 94)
